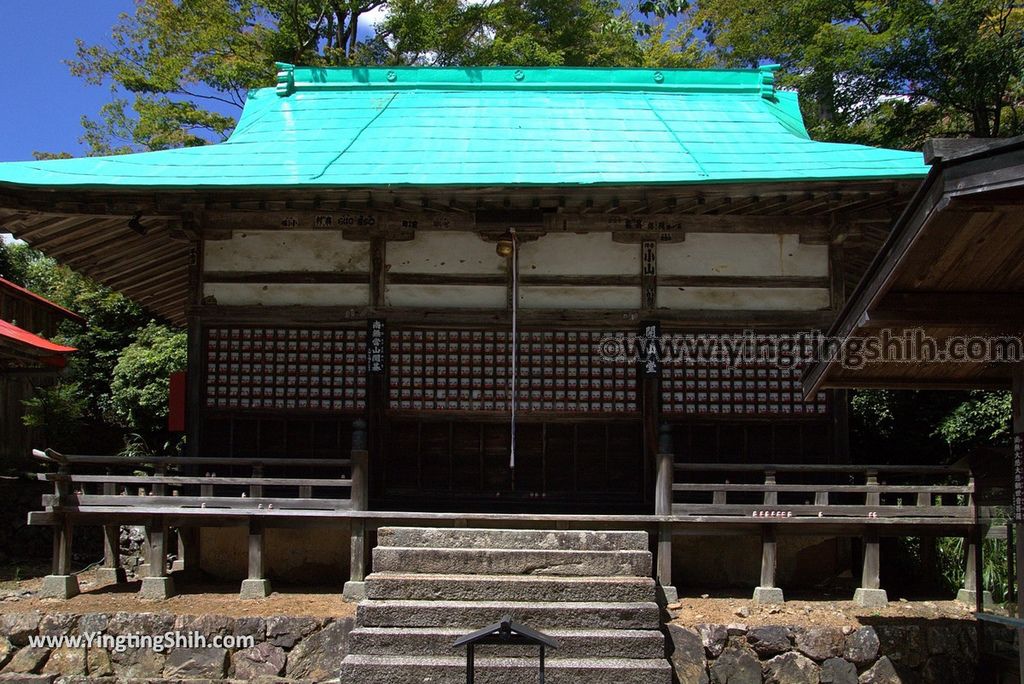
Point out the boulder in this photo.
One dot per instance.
(140, 623)
(66, 661)
(687, 658)
(18, 627)
(207, 625)
(263, 659)
(838, 671)
(92, 623)
(738, 664)
(58, 624)
(769, 641)
(903, 644)
(28, 660)
(255, 627)
(791, 668)
(881, 672)
(287, 631)
(196, 663)
(138, 663)
(862, 646)
(6, 650)
(945, 668)
(98, 663)
(714, 638)
(821, 643)
(318, 656)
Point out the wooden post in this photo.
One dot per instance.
(157, 585)
(355, 588)
(256, 586)
(112, 572)
(870, 594)
(1018, 495)
(766, 591)
(663, 507)
(60, 583)
(188, 550)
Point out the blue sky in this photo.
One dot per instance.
(42, 103)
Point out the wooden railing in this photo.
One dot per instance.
(168, 487)
(784, 493)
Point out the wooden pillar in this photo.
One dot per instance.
(256, 586)
(1018, 495)
(870, 594)
(188, 550)
(355, 588)
(112, 571)
(766, 591)
(664, 481)
(158, 584)
(60, 583)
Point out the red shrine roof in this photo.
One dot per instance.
(22, 345)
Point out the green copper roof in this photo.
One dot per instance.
(347, 127)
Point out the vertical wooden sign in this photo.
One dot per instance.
(649, 346)
(1018, 477)
(649, 275)
(376, 347)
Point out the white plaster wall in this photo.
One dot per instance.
(444, 252)
(742, 254)
(446, 296)
(578, 297)
(274, 294)
(572, 254)
(743, 298)
(291, 250)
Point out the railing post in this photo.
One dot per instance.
(973, 592)
(60, 583)
(663, 507)
(157, 584)
(870, 594)
(766, 591)
(256, 586)
(355, 587)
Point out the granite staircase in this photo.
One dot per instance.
(592, 591)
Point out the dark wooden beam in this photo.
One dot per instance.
(955, 310)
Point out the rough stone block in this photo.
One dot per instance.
(862, 646)
(838, 671)
(111, 575)
(871, 598)
(770, 640)
(59, 586)
(156, 588)
(821, 643)
(196, 663)
(687, 658)
(791, 668)
(768, 595)
(473, 538)
(262, 660)
(318, 657)
(354, 591)
(971, 597)
(254, 589)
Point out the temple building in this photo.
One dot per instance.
(412, 295)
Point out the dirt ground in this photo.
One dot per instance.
(18, 596)
(809, 613)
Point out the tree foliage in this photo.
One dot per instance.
(140, 385)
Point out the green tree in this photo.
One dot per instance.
(882, 72)
(140, 385)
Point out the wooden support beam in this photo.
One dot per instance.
(768, 556)
(157, 584)
(870, 573)
(257, 549)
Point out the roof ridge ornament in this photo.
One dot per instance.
(285, 78)
(767, 72)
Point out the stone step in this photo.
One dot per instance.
(574, 643)
(483, 538)
(422, 587)
(538, 615)
(480, 561)
(368, 669)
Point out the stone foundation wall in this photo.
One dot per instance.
(891, 652)
(298, 648)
